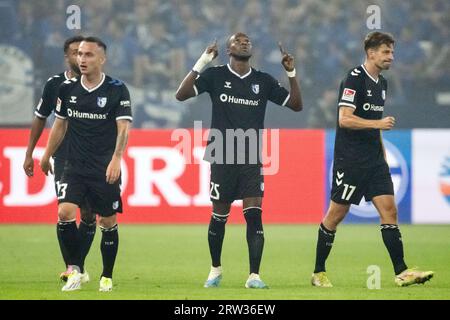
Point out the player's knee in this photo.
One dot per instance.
(252, 202)
(332, 221)
(221, 208)
(223, 218)
(107, 222)
(66, 213)
(87, 216)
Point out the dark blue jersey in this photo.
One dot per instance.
(360, 148)
(238, 103)
(92, 115)
(47, 105)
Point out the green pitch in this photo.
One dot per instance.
(172, 262)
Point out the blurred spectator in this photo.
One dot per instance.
(324, 115)
(121, 50)
(151, 45)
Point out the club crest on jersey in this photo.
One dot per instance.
(255, 88)
(383, 94)
(101, 101)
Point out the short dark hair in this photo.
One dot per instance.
(71, 40)
(375, 39)
(96, 40)
(235, 35)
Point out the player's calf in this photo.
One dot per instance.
(255, 237)
(216, 233)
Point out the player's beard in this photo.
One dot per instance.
(238, 57)
(383, 66)
(75, 68)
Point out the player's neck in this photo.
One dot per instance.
(71, 74)
(372, 69)
(240, 67)
(92, 80)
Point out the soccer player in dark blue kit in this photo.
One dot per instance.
(360, 167)
(239, 94)
(43, 110)
(95, 111)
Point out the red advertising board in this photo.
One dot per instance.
(161, 184)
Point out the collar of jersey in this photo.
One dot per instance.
(237, 74)
(368, 74)
(94, 88)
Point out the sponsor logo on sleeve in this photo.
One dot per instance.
(125, 103)
(349, 95)
(58, 105)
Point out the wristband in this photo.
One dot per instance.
(204, 59)
(291, 74)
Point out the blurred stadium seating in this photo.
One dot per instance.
(152, 44)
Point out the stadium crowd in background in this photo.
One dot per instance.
(153, 42)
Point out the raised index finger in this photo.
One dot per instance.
(280, 46)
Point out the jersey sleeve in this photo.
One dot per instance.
(48, 100)
(204, 82)
(351, 89)
(61, 107)
(277, 93)
(123, 110)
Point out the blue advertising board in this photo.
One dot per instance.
(398, 150)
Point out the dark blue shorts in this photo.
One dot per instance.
(349, 185)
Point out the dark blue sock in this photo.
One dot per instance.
(255, 237)
(325, 239)
(109, 247)
(392, 239)
(216, 233)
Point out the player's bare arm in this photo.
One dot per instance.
(295, 100)
(348, 120)
(36, 130)
(56, 137)
(186, 88)
(113, 170)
